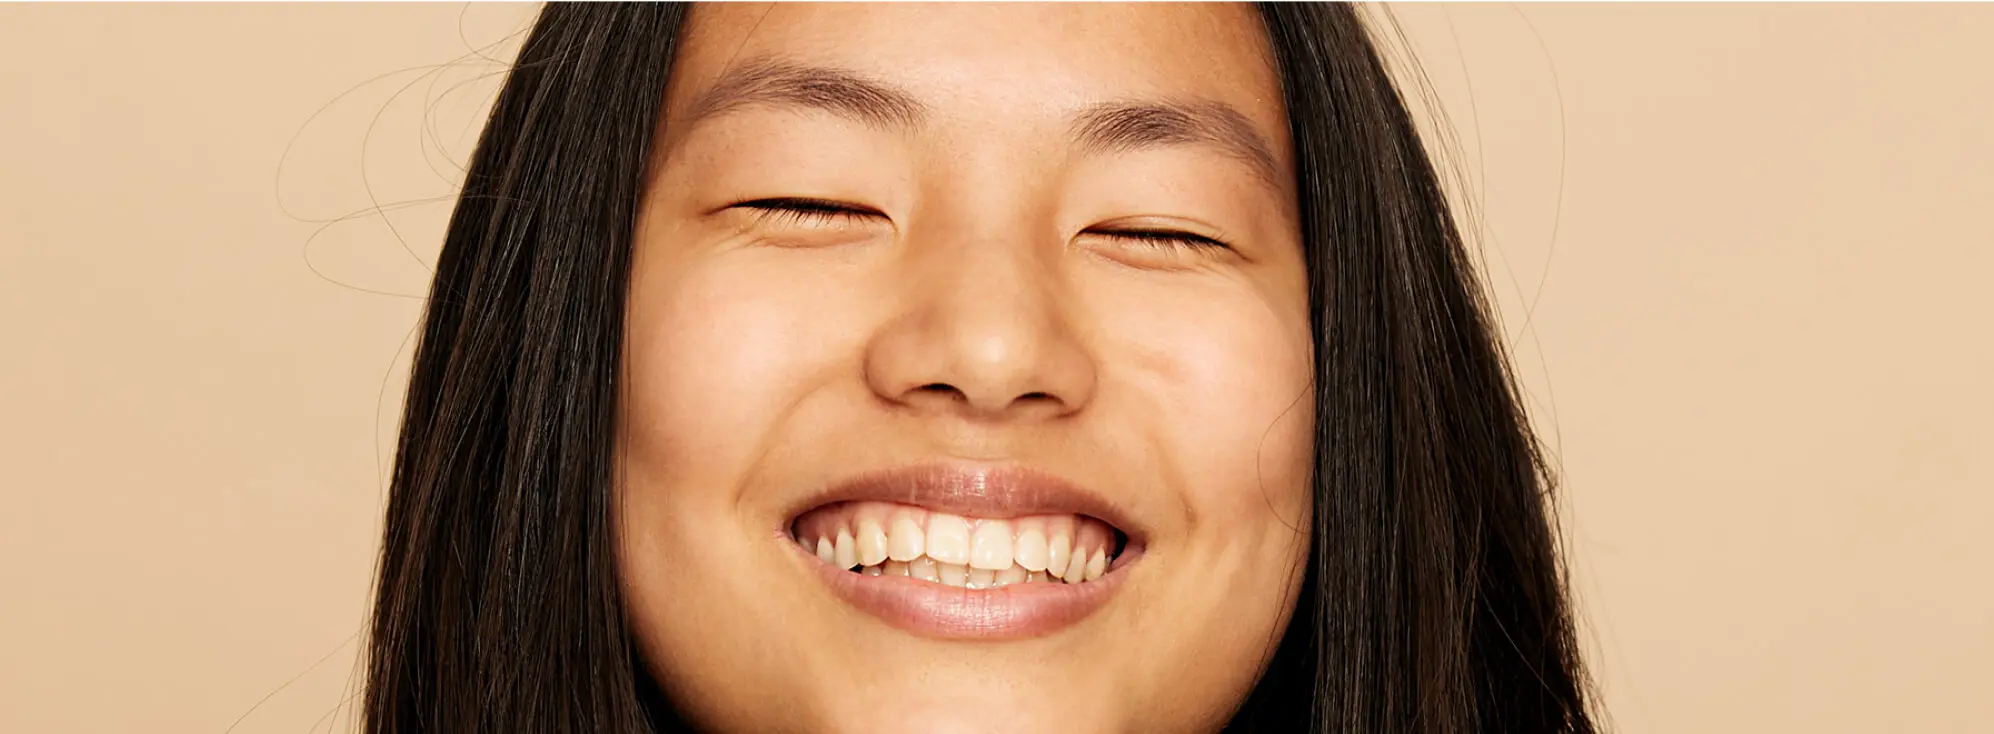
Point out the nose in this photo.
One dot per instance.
(985, 330)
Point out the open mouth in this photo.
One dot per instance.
(964, 550)
(876, 538)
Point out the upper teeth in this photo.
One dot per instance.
(890, 539)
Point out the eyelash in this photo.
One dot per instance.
(818, 211)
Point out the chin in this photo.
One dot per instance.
(1013, 706)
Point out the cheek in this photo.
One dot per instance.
(1243, 435)
(717, 356)
(720, 353)
(1226, 380)
(1249, 404)
(1220, 385)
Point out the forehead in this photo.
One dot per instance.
(1002, 63)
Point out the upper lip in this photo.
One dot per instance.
(975, 490)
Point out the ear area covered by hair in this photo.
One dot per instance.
(496, 607)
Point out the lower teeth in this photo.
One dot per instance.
(958, 575)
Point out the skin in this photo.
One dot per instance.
(978, 309)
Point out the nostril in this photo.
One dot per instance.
(945, 389)
(936, 394)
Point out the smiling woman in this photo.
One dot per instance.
(848, 368)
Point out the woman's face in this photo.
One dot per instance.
(1003, 306)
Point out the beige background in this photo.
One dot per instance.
(1756, 240)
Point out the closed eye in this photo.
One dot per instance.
(1162, 238)
(791, 210)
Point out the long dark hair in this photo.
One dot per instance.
(1434, 599)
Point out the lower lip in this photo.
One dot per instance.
(929, 609)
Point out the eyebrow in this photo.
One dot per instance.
(1114, 126)
(1132, 126)
(777, 83)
